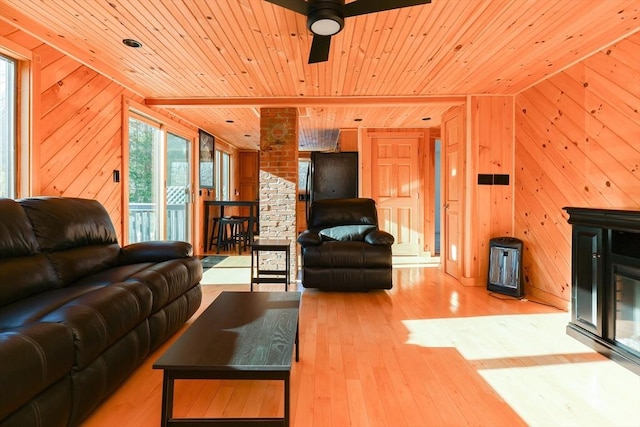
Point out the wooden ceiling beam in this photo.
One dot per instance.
(306, 101)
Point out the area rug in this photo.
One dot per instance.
(212, 261)
(235, 261)
(226, 276)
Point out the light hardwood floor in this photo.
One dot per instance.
(430, 352)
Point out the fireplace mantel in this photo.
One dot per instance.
(605, 282)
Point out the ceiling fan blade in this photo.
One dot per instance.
(299, 6)
(361, 7)
(319, 49)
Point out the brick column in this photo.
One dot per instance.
(279, 181)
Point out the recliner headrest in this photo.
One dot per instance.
(334, 212)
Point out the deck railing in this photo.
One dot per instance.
(143, 218)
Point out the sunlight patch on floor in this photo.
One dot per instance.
(546, 376)
(226, 276)
(598, 394)
(400, 261)
(486, 337)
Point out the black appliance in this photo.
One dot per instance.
(332, 176)
(505, 266)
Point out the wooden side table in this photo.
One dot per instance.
(259, 275)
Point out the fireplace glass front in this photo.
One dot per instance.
(627, 307)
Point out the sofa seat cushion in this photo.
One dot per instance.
(33, 358)
(100, 318)
(170, 279)
(113, 275)
(347, 254)
(346, 232)
(34, 308)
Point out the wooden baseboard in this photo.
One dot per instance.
(546, 297)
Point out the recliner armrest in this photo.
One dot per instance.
(155, 251)
(379, 237)
(309, 238)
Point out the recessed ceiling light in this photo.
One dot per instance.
(426, 118)
(132, 43)
(357, 120)
(229, 121)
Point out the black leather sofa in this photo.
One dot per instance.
(343, 249)
(78, 313)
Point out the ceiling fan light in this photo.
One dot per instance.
(325, 17)
(325, 27)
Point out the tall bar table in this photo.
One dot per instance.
(253, 214)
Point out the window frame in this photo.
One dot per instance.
(9, 146)
(223, 175)
(27, 80)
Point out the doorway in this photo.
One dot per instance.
(159, 183)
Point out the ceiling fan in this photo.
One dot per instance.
(325, 18)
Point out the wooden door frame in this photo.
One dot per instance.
(462, 158)
(425, 149)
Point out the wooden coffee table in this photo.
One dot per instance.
(241, 335)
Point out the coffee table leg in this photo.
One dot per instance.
(167, 399)
(286, 280)
(286, 400)
(297, 342)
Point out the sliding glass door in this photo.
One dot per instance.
(159, 183)
(178, 188)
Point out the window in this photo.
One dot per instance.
(223, 175)
(8, 90)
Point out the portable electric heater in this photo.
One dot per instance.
(505, 266)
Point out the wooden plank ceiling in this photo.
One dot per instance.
(215, 61)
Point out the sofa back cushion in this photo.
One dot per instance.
(336, 212)
(76, 235)
(24, 270)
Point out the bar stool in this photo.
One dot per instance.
(232, 232)
(215, 232)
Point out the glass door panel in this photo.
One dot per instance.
(144, 195)
(627, 306)
(178, 188)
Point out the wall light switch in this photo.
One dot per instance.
(485, 179)
(500, 179)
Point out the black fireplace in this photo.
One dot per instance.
(605, 294)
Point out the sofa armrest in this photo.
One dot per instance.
(155, 251)
(309, 238)
(379, 237)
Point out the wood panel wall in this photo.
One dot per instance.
(577, 144)
(78, 118)
(489, 207)
(79, 128)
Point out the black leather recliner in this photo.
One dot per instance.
(343, 248)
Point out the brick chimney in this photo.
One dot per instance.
(279, 181)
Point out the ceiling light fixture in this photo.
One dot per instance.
(132, 43)
(357, 120)
(325, 18)
(229, 121)
(426, 118)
